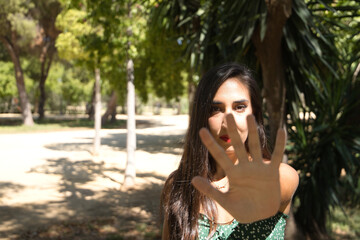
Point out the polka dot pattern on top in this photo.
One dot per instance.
(272, 228)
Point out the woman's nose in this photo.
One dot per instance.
(224, 122)
(228, 110)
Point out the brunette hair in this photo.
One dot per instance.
(180, 200)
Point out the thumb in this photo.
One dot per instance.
(203, 185)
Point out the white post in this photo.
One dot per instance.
(97, 118)
(130, 171)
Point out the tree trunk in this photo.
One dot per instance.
(47, 11)
(19, 76)
(191, 89)
(111, 108)
(46, 60)
(97, 121)
(130, 171)
(269, 53)
(90, 109)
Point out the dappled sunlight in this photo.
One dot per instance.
(59, 186)
(82, 199)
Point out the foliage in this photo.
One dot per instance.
(214, 31)
(100, 28)
(161, 65)
(7, 83)
(96, 31)
(94, 35)
(323, 143)
(4, 55)
(8, 92)
(323, 104)
(66, 85)
(73, 26)
(7, 86)
(73, 89)
(14, 16)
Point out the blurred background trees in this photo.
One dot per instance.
(305, 55)
(18, 30)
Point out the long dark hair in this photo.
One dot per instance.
(180, 200)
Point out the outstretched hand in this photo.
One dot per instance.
(254, 187)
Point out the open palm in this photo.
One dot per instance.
(254, 187)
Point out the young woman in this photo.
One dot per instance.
(228, 185)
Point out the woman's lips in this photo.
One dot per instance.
(225, 138)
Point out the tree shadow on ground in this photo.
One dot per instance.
(170, 144)
(80, 203)
(9, 186)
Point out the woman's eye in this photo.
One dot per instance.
(215, 109)
(240, 108)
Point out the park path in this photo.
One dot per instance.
(51, 176)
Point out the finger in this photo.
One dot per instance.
(204, 186)
(236, 141)
(278, 153)
(216, 151)
(253, 139)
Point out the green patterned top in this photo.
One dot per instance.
(272, 228)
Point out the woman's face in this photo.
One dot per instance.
(231, 97)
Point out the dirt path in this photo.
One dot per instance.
(51, 177)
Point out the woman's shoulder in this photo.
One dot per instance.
(289, 181)
(288, 174)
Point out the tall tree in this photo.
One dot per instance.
(130, 170)
(122, 23)
(46, 12)
(86, 46)
(108, 40)
(17, 30)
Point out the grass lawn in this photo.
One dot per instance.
(54, 123)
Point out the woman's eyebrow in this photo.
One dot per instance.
(216, 102)
(237, 101)
(242, 101)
